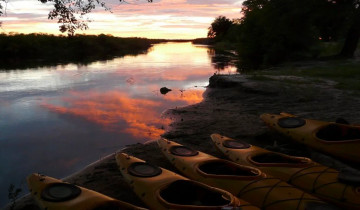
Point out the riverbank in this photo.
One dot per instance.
(22, 51)
(231, 106)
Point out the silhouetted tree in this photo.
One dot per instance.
(219, 27)
(70, 13)
(273, 31)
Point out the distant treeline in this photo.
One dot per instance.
(205, 41)
(276, 31)
(20, 50)
(45, 45)
(156, 41)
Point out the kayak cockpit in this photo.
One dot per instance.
(187, 192)
(222, 167)
(279, 159)
(338, 132)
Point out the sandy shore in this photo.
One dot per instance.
(231, 106)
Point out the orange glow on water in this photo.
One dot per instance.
(118, 112)
(115, 111)
(189, 96)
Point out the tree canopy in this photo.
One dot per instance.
(219, 27)
(273, 31)
(70, 14)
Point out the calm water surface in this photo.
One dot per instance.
(58, 119)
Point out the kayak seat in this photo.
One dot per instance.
(291, 122)
(277, 158)
(236, 144)
(142, 169)
(59, 192)
(338, 132)
(226, 168)
(186, 192)
(183, 151)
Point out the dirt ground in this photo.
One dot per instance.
(232, 105)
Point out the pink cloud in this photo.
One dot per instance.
(139, 18)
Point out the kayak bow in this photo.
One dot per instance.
(246, 182)
(53, 194)
(321, 181)
(163, 189)
(336, 139)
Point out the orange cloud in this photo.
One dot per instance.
(116, 112)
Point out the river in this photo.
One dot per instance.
(56, 120)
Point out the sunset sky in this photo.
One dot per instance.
(171, 19)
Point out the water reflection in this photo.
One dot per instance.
(223, 61)
(55, 120)
(115, 112)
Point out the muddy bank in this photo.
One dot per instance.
(231, 106)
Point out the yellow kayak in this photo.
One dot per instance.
(246, 182)
(321, 181)
(51, 193)
(339, 140)
(163, 189)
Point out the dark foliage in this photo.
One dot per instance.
(203, 41)
(219, 27)
(20, 49)
(275, 31)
